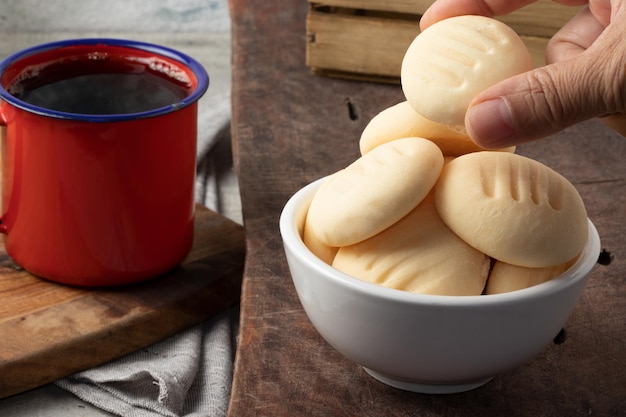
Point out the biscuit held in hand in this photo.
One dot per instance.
(452, 61)
(374, 192)
(402, 121)
(512, 208)
(418, 254)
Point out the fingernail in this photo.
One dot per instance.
(491, 123)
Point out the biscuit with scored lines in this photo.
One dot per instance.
(512, 208)
(374, 192)
(418, 254)
(452, 61)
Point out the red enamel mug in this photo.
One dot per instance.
(99, 196)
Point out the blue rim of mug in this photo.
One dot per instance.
(197, 69)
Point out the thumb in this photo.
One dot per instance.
(545, 100)
(616, 122)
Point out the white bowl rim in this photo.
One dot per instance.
(293, 241)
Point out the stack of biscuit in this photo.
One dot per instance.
(426, 210)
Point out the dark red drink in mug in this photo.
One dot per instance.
(98, 159)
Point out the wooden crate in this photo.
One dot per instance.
(367, 39)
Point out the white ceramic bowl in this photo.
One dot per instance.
(428, 343)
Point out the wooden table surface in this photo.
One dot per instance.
(291, 127)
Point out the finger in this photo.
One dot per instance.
(605, 13)
(442, 9)
(616, 122)
(544, 101)
(605, 10)
(575, 37)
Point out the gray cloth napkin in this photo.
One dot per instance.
(216, 182)
(188, 374)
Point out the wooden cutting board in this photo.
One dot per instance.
(49, 331)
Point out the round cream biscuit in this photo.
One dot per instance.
(506, 277)
(417, 254)
(452, 61)
(512, 208)
(318, 248)
(374, 192)
(402, 121)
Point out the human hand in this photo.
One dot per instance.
(585, 75)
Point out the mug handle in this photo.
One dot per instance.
(3, 125)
